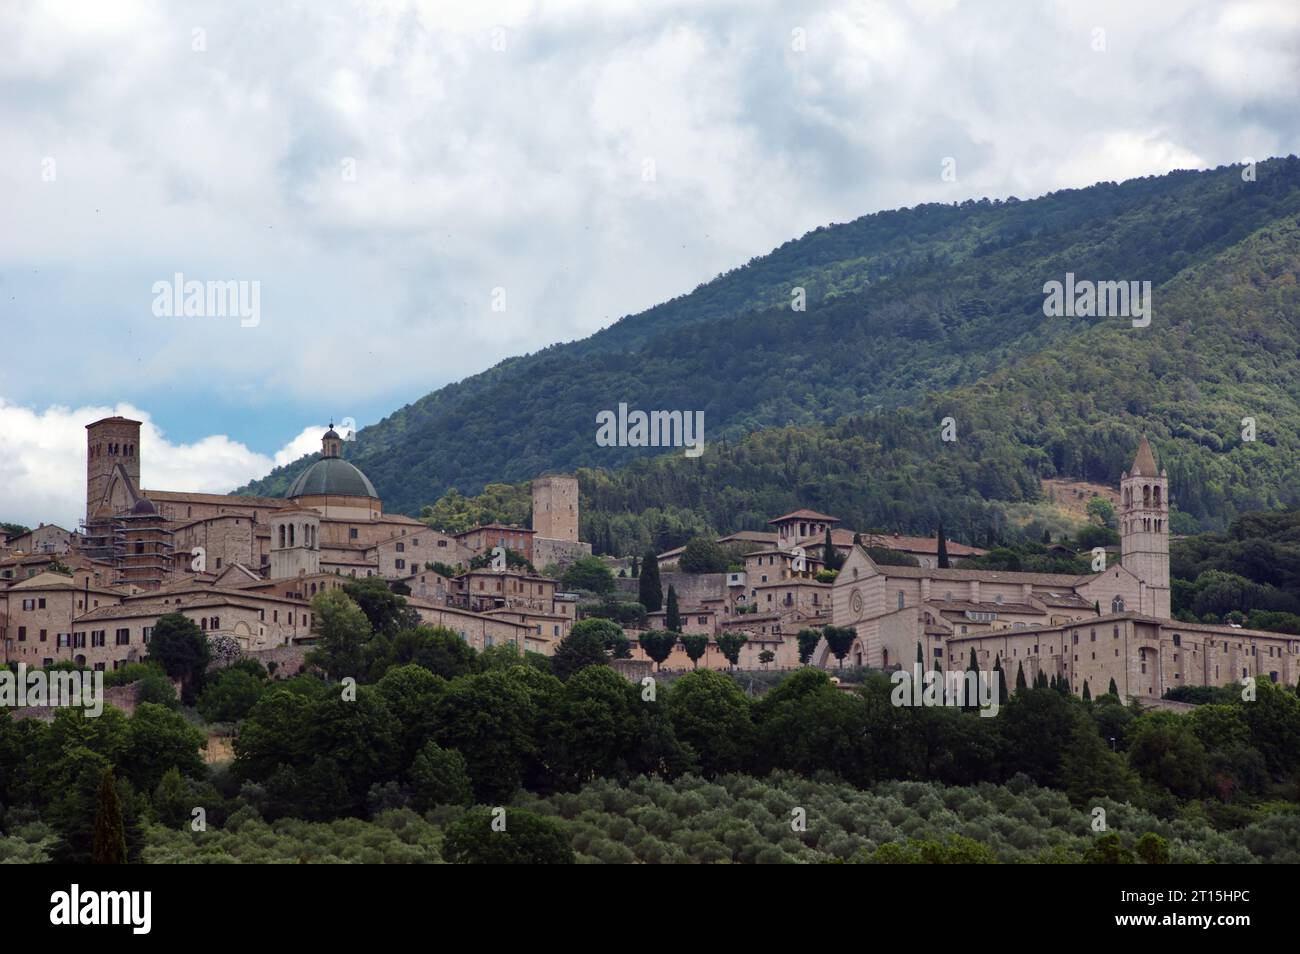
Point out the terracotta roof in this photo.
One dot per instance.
(155, 607)
(984, 606)
(806, 515)
(1076, 624)
(927, 545)
(1065, 580)
(176, 496)
(57, 581)
(749, 536)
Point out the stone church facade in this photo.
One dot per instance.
(1113, 624)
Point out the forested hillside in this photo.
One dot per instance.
(914, 316)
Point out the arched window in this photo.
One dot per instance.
(1117, 605)
(1146, 495)
(291, 535)
(1157, 495)
(281, 536)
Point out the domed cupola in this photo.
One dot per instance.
(334, 486)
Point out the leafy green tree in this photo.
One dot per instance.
(229, 695)
(589, 573)
(730, 644)
(158, 739)
(1107, 849)
(1032, 725)
(1101, 510)
(386, 611)
(1089, 770)
(439, 777)
(658, 644)
(766, 657)
(524, 838)
(1152, 849)
(109, 847)
(672, 616)
(492, 720)
(1163, 749)
(711, 715)
(807, 640)
(806, 725)
(703, 555)
(587, 644)
(514, 561)
(181, 648)
(650, 591)
(595, 728)
(440, 650)
(342, 632)
(1274, 723)
(411, 693)
(839, 639)
(695, 646)
(171, 801)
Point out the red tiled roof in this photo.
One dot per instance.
(806, 515)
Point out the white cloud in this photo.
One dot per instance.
(43, 467)
(522, 167)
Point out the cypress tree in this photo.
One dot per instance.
(1052, 684)
(1087, 693)
(650, 591)
(1020, 676)
(920, 657)
(943, 549)
(1063, 685)
(1003, 695)
(636, 568)
(829, 555)
(971, 705)
(108, 846)
(673, 618)
(1113, 689)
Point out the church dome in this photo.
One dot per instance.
(144, 508)
(334, 476)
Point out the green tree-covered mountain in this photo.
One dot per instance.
(913, 316)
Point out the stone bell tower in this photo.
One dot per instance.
(1144, 530)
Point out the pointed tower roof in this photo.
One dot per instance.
(1144, 464)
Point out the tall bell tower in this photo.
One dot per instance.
(1144, 530)
(112, 455)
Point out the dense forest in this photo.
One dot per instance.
(913, 316)
(402, 743)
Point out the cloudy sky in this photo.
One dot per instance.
(387, 171)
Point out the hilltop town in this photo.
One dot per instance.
(248, 568)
